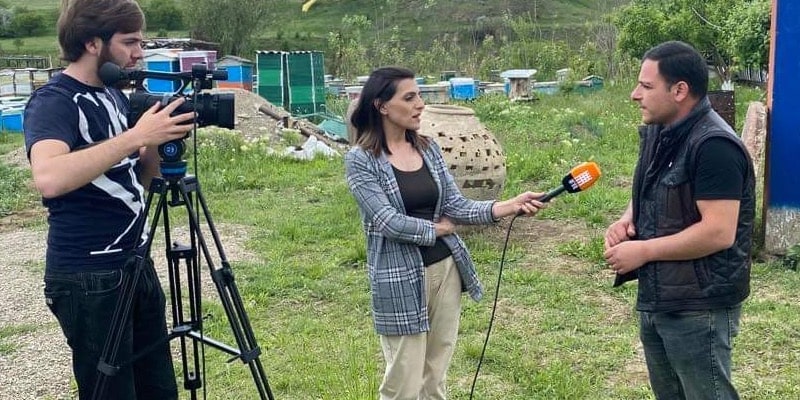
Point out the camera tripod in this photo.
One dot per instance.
(187, 324)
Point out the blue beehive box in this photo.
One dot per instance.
(11, 120)
(162, 61)
(240, 73)
(463, 88)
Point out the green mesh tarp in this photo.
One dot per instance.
(293, 80)
(269, 72)
(306, 82)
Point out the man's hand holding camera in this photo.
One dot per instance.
(157, 125)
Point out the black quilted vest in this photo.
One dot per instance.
(663, 204)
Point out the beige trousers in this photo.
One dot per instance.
(416, 365)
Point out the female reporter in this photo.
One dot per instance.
(410, 206)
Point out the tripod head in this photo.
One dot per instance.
(172, 165)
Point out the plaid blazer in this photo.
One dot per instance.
(394, 261)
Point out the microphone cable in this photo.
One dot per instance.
(494, 305)
(579, 178)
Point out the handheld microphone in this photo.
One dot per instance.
(579, 178)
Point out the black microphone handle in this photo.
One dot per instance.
(553, 193)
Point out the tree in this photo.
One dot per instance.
(639, 28)
(347, 53)
(747, 33)
(27, 23)
(706, 24)
(6, 16)
(163, 14)
(18, 43)
(230, 23)
(389, 50)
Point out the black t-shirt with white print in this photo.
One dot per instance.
(96, 226)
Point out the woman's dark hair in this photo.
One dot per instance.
(83, 20)
(678, 61)
(367, 119)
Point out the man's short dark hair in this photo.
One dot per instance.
(83, 20)
(678, 61)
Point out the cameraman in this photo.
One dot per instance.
(92, 169)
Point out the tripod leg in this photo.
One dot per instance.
(181, 325)
(223, 278)
(108, 365)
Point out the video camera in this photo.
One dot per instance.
(210, 109)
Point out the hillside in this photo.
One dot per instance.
(455, 27)
(418, 21)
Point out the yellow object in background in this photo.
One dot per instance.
(308, 5)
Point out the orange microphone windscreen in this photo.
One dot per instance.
(581, 177)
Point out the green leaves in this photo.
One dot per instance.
(747, 33)
(726, 32)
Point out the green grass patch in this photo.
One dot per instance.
(15, 194)
(8, 332)
(10, 141)
(40, 4)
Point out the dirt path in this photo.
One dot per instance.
(34, 358)
(38, 366)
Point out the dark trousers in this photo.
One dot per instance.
(84, 304)
(688, 353)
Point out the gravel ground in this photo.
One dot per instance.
(38, 366)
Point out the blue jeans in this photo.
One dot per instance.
(688, 353)
(84, 303)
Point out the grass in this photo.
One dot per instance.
(38, 45)
(561, 331)
(47, 46)
(14, 191)
(9, 331)
(419, 22)
(40, 4)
